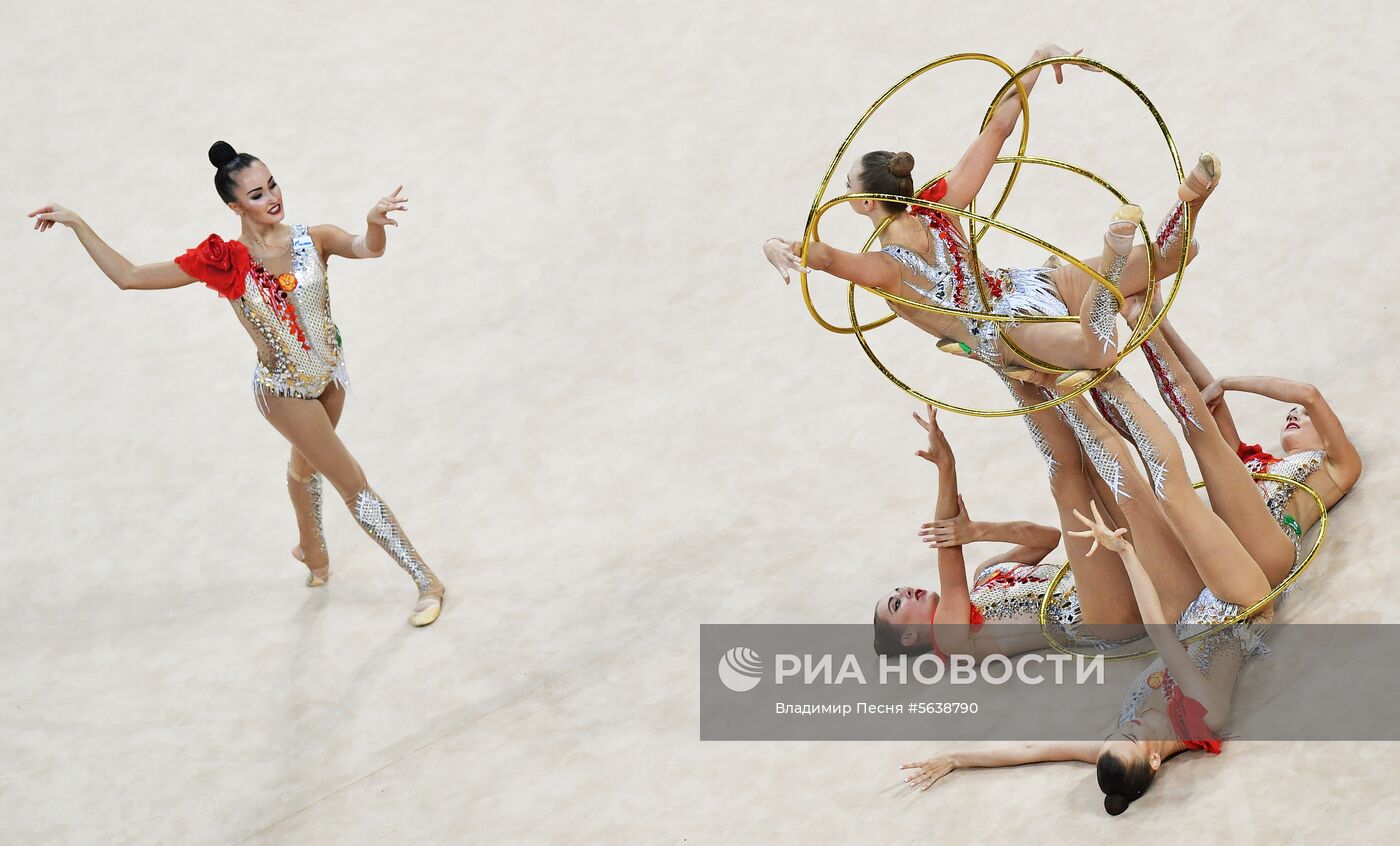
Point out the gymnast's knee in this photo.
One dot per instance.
(349, 487)
(1098, 356)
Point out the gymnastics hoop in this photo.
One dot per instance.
(850, 136)
(1147, 322)
(1287, 582)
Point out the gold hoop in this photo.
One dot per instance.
(850, 136)
(1147, 322)
(1287, 582)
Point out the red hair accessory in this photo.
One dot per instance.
(222, 265)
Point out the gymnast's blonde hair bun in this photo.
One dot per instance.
(902, 164)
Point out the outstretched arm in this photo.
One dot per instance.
(954, 603)
(334, 241)
(1341, 452)
(927, 773)
(1159, 628)
(966, 178)
(873, 270)
(1032, 541)
(124, 274)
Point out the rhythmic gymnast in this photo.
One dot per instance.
(1267, 515)
(1180, 702)
(1251, 527)
(925, 256)
(1096, 607)
(274, 278)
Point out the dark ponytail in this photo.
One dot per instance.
(227, 163)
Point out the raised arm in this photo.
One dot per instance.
(334, 241)
(954, 602)
(966, 178)
(124, 274)
(1163, 634)
(1341, 452)
(1012, 754)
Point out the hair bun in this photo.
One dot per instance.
(902, 164)
(221, 153)
(1116, 803)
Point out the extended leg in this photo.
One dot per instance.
(1176, 578)
(1092, 344)
(1222, 561)
(305, 489)
(1105, 594)
(1168, 242)
(305, 493)
(306, 424)
(1233, 493)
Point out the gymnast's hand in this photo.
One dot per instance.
(939, 452)
(955, 531)
(1212, 394)
(1048, 50)
(379, 215)
(783, 256)
(928, 772)
(1132, 306)
(1112, 539)
(51, 214)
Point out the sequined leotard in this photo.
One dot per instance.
(953, 284)
(1012, 593)
(1245, 638)
(1277, 495)
(1208, 610)
(287, 316)
(299, 347)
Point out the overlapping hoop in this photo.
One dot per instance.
(1147, 322)
(1288, 581)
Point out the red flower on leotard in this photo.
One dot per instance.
(222, 265)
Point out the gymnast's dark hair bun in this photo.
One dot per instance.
(228, 163)
(222, 153)
(883, 172)
(1123, 782)
(901, 164)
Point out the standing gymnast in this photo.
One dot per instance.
(275, 279)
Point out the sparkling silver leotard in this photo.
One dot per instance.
(286, 365)
(1277, 495)
(952, 284)
(1011, 592)
(1206, 610)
